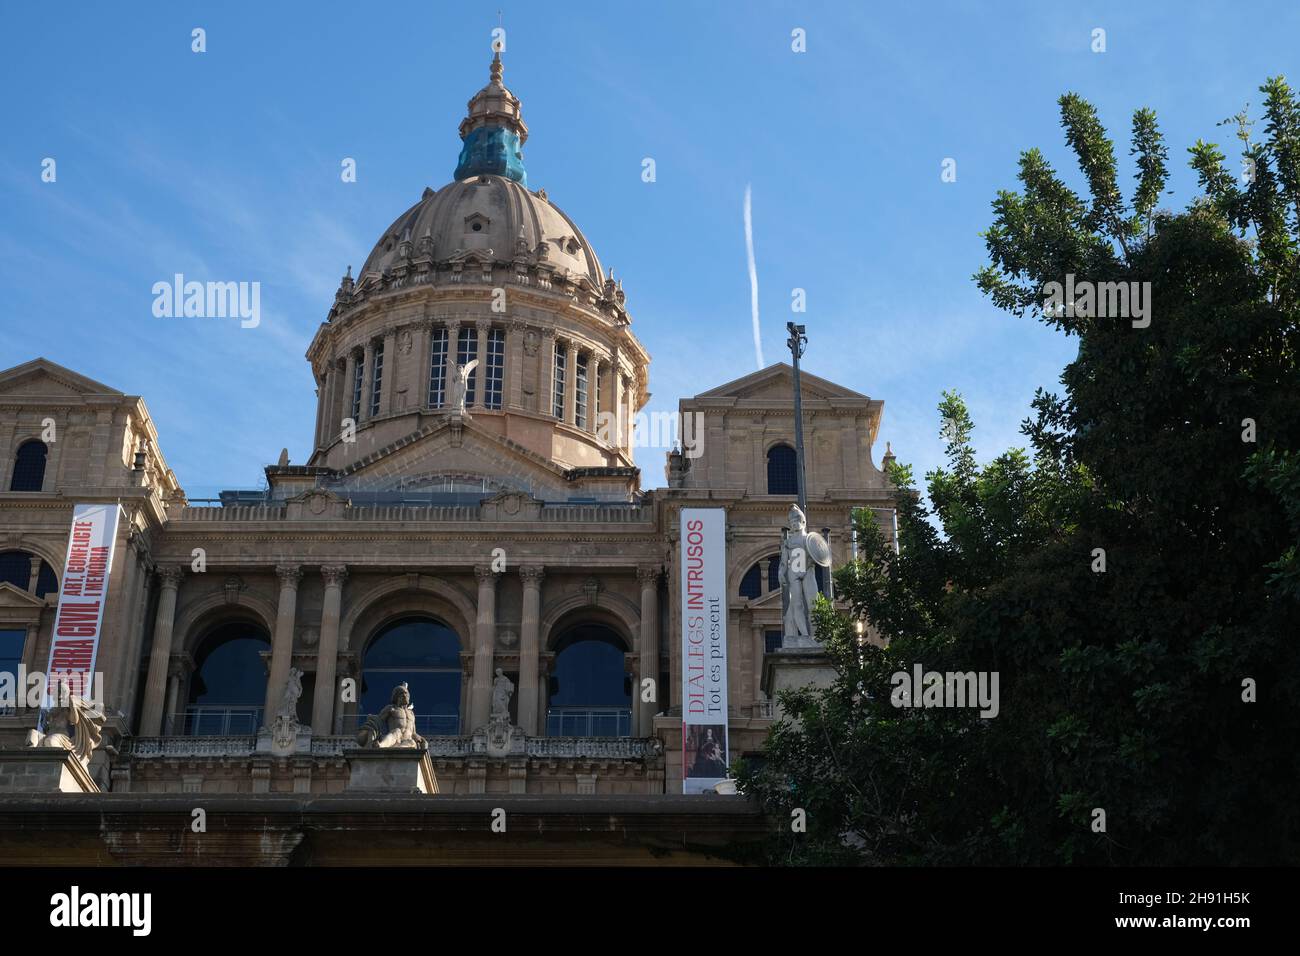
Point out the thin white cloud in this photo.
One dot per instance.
(753, 275)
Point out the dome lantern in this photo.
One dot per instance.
(493, 133)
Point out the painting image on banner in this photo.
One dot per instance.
(705, 750)
(79, 617)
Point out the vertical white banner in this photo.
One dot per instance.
(705, 747)
(83, 591)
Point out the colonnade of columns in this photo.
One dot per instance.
(167, 668)
(609, 388)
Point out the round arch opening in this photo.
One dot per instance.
(589, 691)
(228, 686)
(423, 653)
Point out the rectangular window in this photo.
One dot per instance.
(358, 370)
(598, 377)
(557, 398)
(11, 655)
(438, 369)
(580, 397)
(377, 379)
(466, 352)
(496, 365)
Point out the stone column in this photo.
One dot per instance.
(130, 666)
(332, 413)
(484, 326)
(160, 652)
(367, 379)
(544, 664)
(546, 373)
(449, 362)
(320, 412)
(119, 612)
(99, 443)
(758, 649)
(327, 651)
(528, 647)
(422, 349)
(571, 382)
(29, 651)
(514, 397)
(484, 647)
(616, 406)
(282, 642)
(629, 394)
(34, 573)
(178, 669)
(6, 455)
(599, 372)
(349, 380)
(388, 383)
(649, 580)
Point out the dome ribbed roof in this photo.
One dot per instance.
(484, 213)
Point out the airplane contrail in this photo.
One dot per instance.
(753, 275)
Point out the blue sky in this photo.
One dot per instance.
(225, 166)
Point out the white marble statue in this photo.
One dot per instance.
(460, 385)
(801, 551)
(502, 688)
(394, 726)
(72, 724)
(292, 692)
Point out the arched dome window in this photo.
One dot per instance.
(425, 654)
(589, 692)
(228, 686)
(29, 466)
(782, 475)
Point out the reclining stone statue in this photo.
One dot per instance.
(394, 726)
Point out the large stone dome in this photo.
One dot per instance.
(492, 215)
(481, 345)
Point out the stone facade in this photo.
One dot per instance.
(518, 525)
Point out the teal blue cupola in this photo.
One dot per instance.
(494, 133)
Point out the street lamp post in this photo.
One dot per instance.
(797, 341)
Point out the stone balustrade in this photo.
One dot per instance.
(615, 748)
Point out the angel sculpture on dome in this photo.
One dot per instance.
(460, 386)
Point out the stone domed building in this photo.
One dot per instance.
(470, 511)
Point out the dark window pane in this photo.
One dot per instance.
(438, 369)
(496, 363)
(29, 468)
(46, 582)
(589, 694)
(425, 655)
(228, 684)
(229, 670)
(16, 568)
(466, 352)
(751, 585)
(781, 471)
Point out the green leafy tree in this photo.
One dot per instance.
(1173, 455)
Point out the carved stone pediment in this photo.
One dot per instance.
(316, 504)
(511, 506)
